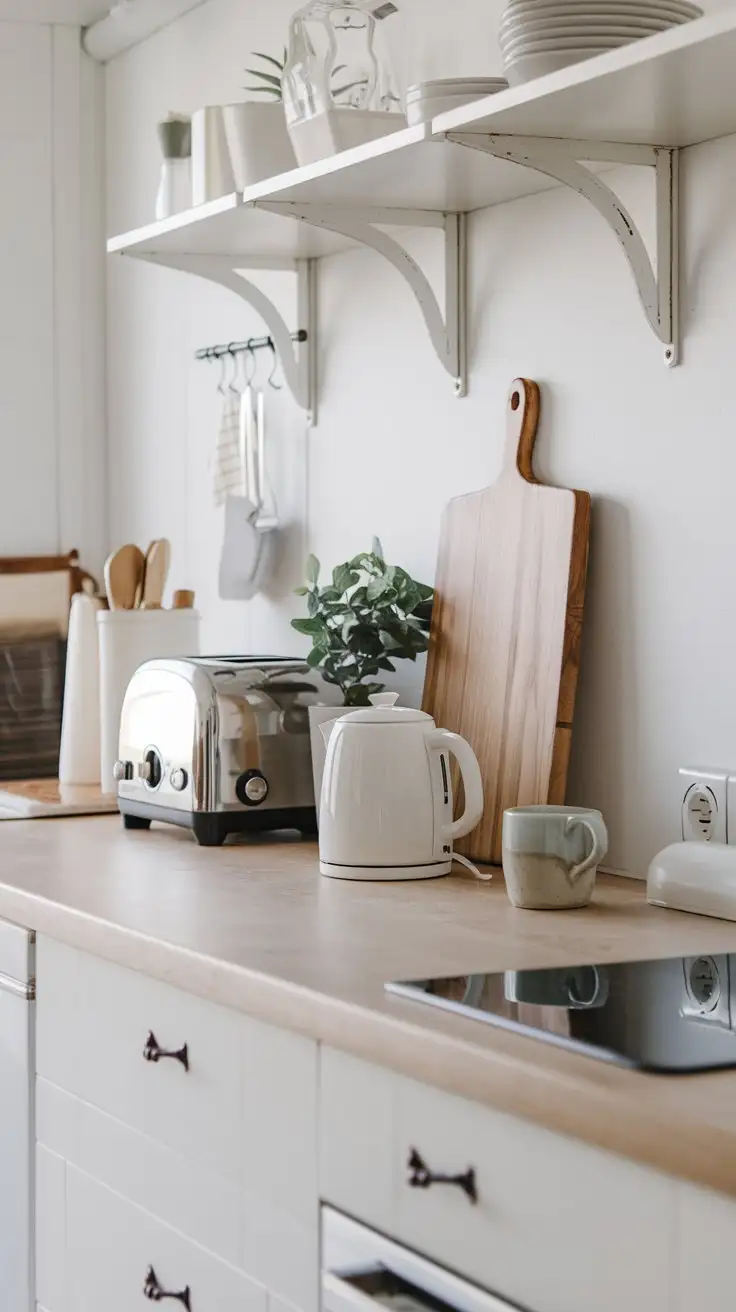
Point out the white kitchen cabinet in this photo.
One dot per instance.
(704, 1252)
(217, 1145)
(558, 1226)
(16, 1118)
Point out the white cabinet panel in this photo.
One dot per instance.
(93, 1021)
(51, 1230)
(558, 1226)
(111, 1246)
(705, 1244)
(16, 1151)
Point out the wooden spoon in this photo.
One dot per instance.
(157, 563)
(123, 570)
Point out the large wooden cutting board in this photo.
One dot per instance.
(506, 627)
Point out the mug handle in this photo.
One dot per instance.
(444, 739)
(599, 834)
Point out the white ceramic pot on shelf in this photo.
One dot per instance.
(258, 142)
(336, 130)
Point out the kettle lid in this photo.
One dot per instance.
(383, 710)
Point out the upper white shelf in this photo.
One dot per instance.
(674, 89)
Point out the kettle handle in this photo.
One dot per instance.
(443, 739)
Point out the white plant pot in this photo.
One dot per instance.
(258, 142)
(321, 715)
(340, 129)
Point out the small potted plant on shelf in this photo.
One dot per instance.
(257, 138)
(368, 616)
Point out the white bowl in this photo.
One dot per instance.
(537, 8)
(340, 129)
(528, 67)
(667, 17)
(450, 87)
(563, 20)
(423, 111)
(571, 36)
(523, 48)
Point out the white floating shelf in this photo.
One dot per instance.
(674, 89)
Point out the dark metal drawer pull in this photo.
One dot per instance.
(156, 1294)
(420, 1177)
(152, 1052)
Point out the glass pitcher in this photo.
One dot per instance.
(336, 60)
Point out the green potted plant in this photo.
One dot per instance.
(257, 139)
(369, 615)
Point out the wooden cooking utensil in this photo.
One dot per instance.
(158, 560)
(505, 643)
(123, 570)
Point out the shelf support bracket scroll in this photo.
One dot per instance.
(657, 283)
(298, 361)
(447, 332)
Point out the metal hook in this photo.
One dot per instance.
(277, 387)
(252, 358)
(222, 385)
(233, 357)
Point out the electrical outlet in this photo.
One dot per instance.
(704, 805)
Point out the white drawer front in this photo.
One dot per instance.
(558, 1226)
(50, 1232)
(112, 1247)
(707, 1228)
(274, 1247)
(246, 1107)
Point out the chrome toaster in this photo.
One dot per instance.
(219, 745)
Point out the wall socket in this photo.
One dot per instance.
(704, 799)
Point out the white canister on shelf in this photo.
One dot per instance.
(212, 174)
(127, 638)
(258, 142)
(79, 756)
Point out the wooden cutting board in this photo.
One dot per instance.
(506, 627)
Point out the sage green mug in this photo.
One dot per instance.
(551, 855)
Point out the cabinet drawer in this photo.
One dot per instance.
(557, 1226)
(228, 1220)
(115, 1250)
(707, 1225)
(247, 1104)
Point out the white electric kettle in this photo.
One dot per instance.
(386, 804)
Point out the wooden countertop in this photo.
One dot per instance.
(256, 928)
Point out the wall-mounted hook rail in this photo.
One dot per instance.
(252, 344)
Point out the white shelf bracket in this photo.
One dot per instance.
(656, 283)
(298, 360)
(448, 332)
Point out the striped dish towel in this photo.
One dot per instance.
(228, 468)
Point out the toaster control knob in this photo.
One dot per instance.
(122, 770)
(252, 788)
(178, 779)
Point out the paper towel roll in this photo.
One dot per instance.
(127, 638)
(79, 758)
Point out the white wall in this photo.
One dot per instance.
(51, 308)
(552, 298)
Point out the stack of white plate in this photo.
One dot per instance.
(541, 36)
(428, 99)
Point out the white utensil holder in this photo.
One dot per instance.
(127, 638)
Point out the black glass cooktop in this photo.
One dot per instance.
(676, 1015)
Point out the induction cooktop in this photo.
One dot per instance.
(674, 1016)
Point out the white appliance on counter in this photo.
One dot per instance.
(361, 1268)
(386, 810)
(17, 1023)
